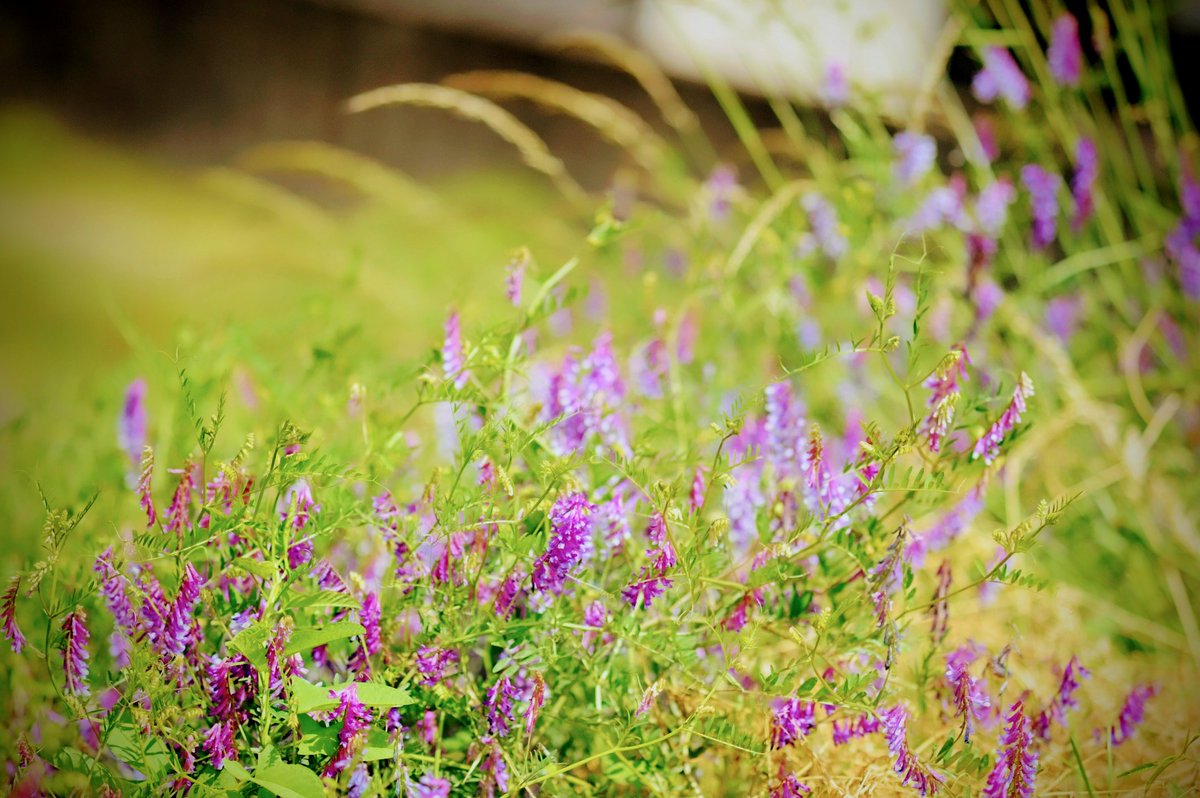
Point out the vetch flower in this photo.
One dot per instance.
(1133, 711)
(1064, 54)
(791, 719)
(861, 726)
(498, 705)
(911, 770)
(915, 154)
(75, 652)
(1001, 78)
(368, 616)
(968, 695)
(430, 786)
(988, 446)
(355, 719)
(939, 611)
(1043, 189)
(835, 91)
(1056, 711)
(991, 205)
(432, 663)
(495, 770)
(537, 698)
(1087, 167)
(453, 359)
(514, 278)
(8, 609)
(721, 187)
(790, 787)
(645, 591)
(219, 744)
(1015, 772)
(943, 386)
(571, 531)
(131, 427)
(297, 504)
(824, 228)
(179, 513)
(143, 487)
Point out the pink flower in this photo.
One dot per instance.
(218, 742)
(1064, 54)
(988, 446)
(8, 608)
(432, 663)
(356, 718)
(791, 719)
(911, 771)
(1064, 699)
(75, 652)
(1015, 771)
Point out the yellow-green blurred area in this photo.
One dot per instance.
(112, 261)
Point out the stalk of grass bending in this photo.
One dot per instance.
(768, 212)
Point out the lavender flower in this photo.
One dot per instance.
(112, 587)
(368, 616)
(915, 154)
(790, 787)
(430, 786)
(297, 504)
(360, 780)
(514, 279)
(1087, 167)
(968, 695)
(861, 726)
(991, 206)
(218, 742)
(355, 720)
(498, 705)
(645, 590)
(432, 663)
(177, 627)
(1062, 316)
(1001, 78)
(836, 91)
(1133, 711)
(1043, 197)
(1064, 55)
(1056, 712)
(131, 427)
(571, 531)
(911, 771)
(1015, 771)
(453, 360)
(300, 553)
(506, 596)
(495, 771)
(8, 609)
(75, 652)
(428, 726)
(740, 616)
(824, 229)
(791, 719)
(943, 395)
(988, 446)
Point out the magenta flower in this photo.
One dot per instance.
(507, 595)
(1056, 711)
(179, 513)
(790, 787)
(75, 652)
(791, 719)
(861, 726)
(740, 616)
(300, 553)
(537, 698)
(495, 771)
(1015, 771)
(430, 786)
(1087, 167)
(298, 504)
(1043, 189)
(112, 587)
(143, 487)
(915, 154)
(131, 427)
(571, 531)
(1133, 711)
(645, 590)
(355, 720)
(911, 771)
(178, 622)
(943, 395)
(1064, 54)
(594, 616)
(275, 648)
(1001, 78)
(8, 609)
(219, 744)
(988, 446)
(432, 663)
(428, 726)
(453, 360)
(368, 616)
(696, 495)
(498, 705)
(968, 695)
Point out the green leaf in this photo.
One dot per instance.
(313, 636)
(145, 753)
(251, 642)
(235, 769)
(316, 698)
(290, 781)
(323, 598)
(259, 568)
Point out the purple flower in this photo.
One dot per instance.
(991, 206)
(355, 719)
(537, 698)
(143, 487)
(8, 608)
(218, 742)
(495, 769)
(1133, 711)
(300, 553)
(112, 587)
(179, 512)
(790, 787)
(433, 662)
(131, 427)
(1015, 771)
(740, 616)
(915, 154)
(595, 616)
(645, 590)
(514, 280)
(453, 360)
(836, 91)
(911, 771)
(506, 596)
(570, 533)
(1056, 712)
(987, 137)
(498, 705)
(1062, 316)
(1064, 55)
(823, 224)
(721, 187)
(968, 695)
(696, 495)
(298, 504)
(791, 719)
(430, 786)
(428, 726)
(1001, 78)
(360, 780)
(368, 616)
(1043, 198)
(177, 627)
(844, 732)
(275, 648)
(1087, 167)
(943, 395)
(75, 652)
(988, 446)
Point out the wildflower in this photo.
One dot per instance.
(430, 786)
(297, 504)
(453, 360)
(968, 695)
(1056, 712)
(514, 278)
(1062, 315)
(1086, 169)
(179, 512)
(915, 154)
(1015, 771)
(721, 188)
(845, 731)
(991, 206)
(988, 446)
(595, 616)
(506, 596)
(495, 770)
(790, 787)
(987, 137)
(943, 388)
(648, 699)
(536, 699)
(8, 609)
(218, 742)
(940, 609)
(1001, 78)
(1043, 196)
(143, 487)
(300, 553)
(737, 619)
(275, 648)
(498, 705)
(645, 590)
(368, 616)
(836, 90)
(428, 726)
(696, 495)
(791, 719)
(1064, 55)
(360, 780)
(570, 533)
(433, 662)
(911, 771)
(823, 224)
(178, 621)
(355, 719)
(75, 652)
(1132, 713)
(131, 427)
